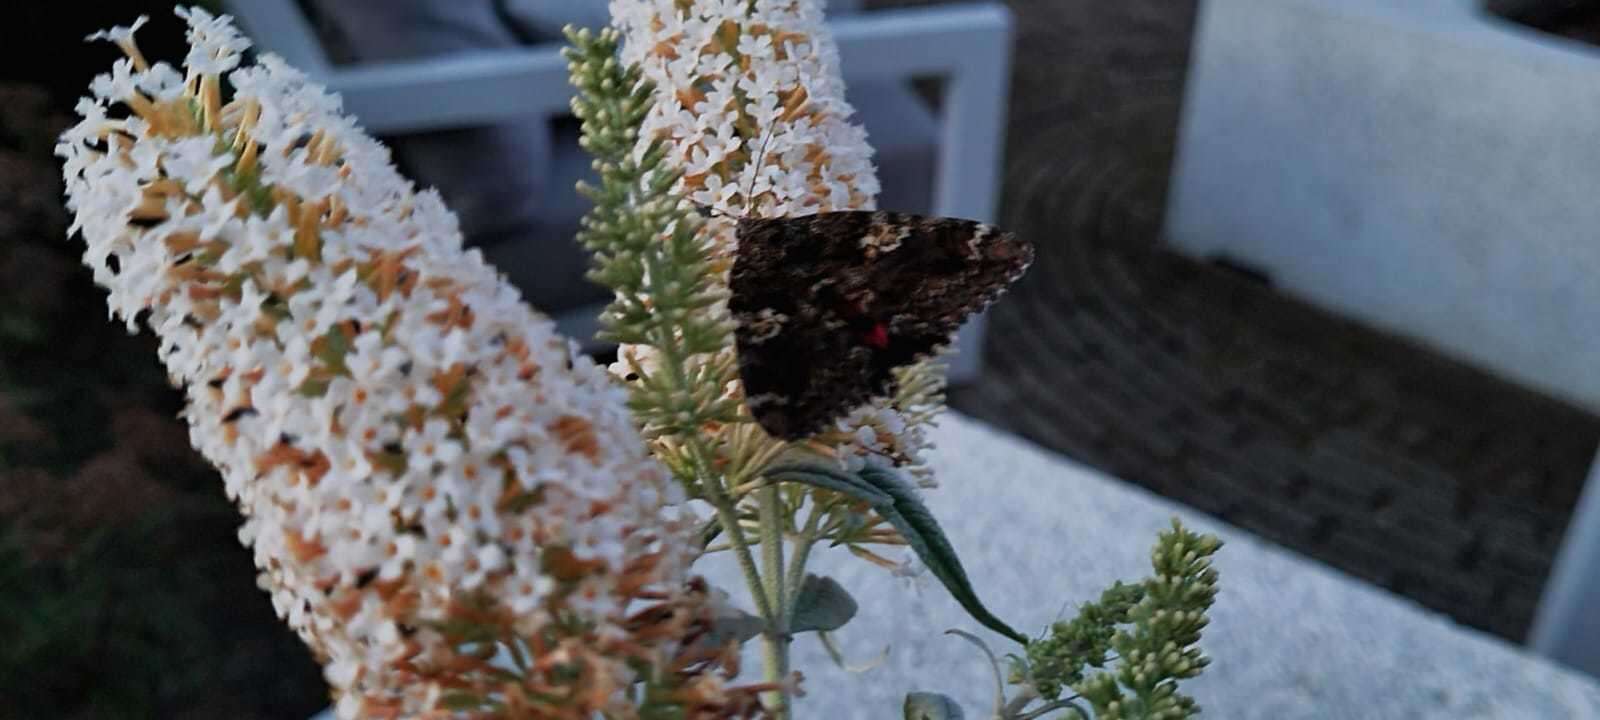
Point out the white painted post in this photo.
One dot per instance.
(1567, 626)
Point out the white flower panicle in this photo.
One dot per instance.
(750, 106)
(421, 461)
(737, 80)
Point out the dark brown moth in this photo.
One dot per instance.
(828, 305)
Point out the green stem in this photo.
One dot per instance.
(775, 650)
(797, 560)
(672, 356)
(775, 641)
(728, 515)
(775, 663)
(1054, 706)
(747, 564)
(771, 508)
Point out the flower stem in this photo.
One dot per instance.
(772, 546)
(729, 516)
(775, 663)
(775, 641)
(798, 558)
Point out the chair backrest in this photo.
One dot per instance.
(290, 28)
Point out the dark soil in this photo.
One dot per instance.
(1575, 19)
(124, 590)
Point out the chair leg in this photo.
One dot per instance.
(1566, 627)
(971, 149)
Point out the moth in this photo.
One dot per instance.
(826, 306)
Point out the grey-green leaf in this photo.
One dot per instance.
(739, 625)
(822, 606)
(709, 533)
(830, 478)
(897, 501)
(922, 532)
(931, 706)
(730, 624)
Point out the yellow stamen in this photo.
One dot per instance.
(211, 102)
(328, 153)
(337, 214)
(182, 242)
(248, 117)
(131, 49)
(307, 238)
(247, 158)
(794, 103)
(141, 106)
(152, 207)
(725, 39)
(315, 144)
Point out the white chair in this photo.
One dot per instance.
(1425, 167)
(968, 47)
(1566, 627)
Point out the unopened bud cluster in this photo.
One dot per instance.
(1153, 628)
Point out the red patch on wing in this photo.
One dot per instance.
(878, 336)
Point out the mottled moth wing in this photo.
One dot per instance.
(827, 305)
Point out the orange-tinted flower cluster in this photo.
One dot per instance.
(445, 500)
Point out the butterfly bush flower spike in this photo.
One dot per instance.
(750, 106)
(430, 476)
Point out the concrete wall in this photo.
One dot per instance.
(1419, 165)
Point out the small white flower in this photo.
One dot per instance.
(215, 45)
(119, 34)
(194, 162)
(161, 82)
(119, 85)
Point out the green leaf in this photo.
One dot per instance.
(830, 478)
(735, 625)
(931, 706)
(897, 502)
(709, 533)
(728, 624)
(921, 530)
(822, 606)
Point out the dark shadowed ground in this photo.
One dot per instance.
(124, 591)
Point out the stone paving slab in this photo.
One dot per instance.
(1290, 638)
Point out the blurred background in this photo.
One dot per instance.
(1321, 269)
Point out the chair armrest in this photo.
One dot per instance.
(462, 90)
(970, 45)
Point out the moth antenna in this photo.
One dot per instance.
(760, 155)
